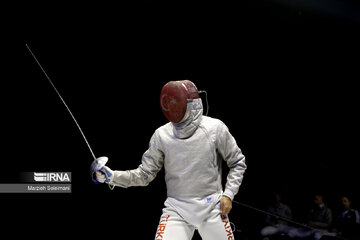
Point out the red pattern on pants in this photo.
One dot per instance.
(176, 225)
(227, 227)
(162, 227)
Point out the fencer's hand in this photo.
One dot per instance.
(225, 205)
(105, 175)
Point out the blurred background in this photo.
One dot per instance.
(281, 75)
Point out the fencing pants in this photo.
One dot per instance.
(181, 218)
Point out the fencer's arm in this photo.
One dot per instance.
(152, 162)
(132, 178)
(234, 158)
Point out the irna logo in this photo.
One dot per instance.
(52, 177)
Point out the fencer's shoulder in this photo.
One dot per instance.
(210, 122)
(164, 129)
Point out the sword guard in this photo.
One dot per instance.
(97, 165)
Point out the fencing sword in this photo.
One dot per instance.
(98, 163)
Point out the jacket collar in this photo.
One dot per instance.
(191, 121)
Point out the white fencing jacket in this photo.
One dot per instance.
(191, 153)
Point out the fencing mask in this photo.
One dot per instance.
(174, 98)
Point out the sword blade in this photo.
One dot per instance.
(63, 101)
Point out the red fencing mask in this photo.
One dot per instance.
(174, 98)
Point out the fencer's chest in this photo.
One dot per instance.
(184, 153)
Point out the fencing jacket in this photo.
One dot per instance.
(191, 153)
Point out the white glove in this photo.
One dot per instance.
(105, 175)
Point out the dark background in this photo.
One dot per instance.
(281, 76)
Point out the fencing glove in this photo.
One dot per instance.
(105, 175)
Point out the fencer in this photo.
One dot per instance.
(191, 148)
